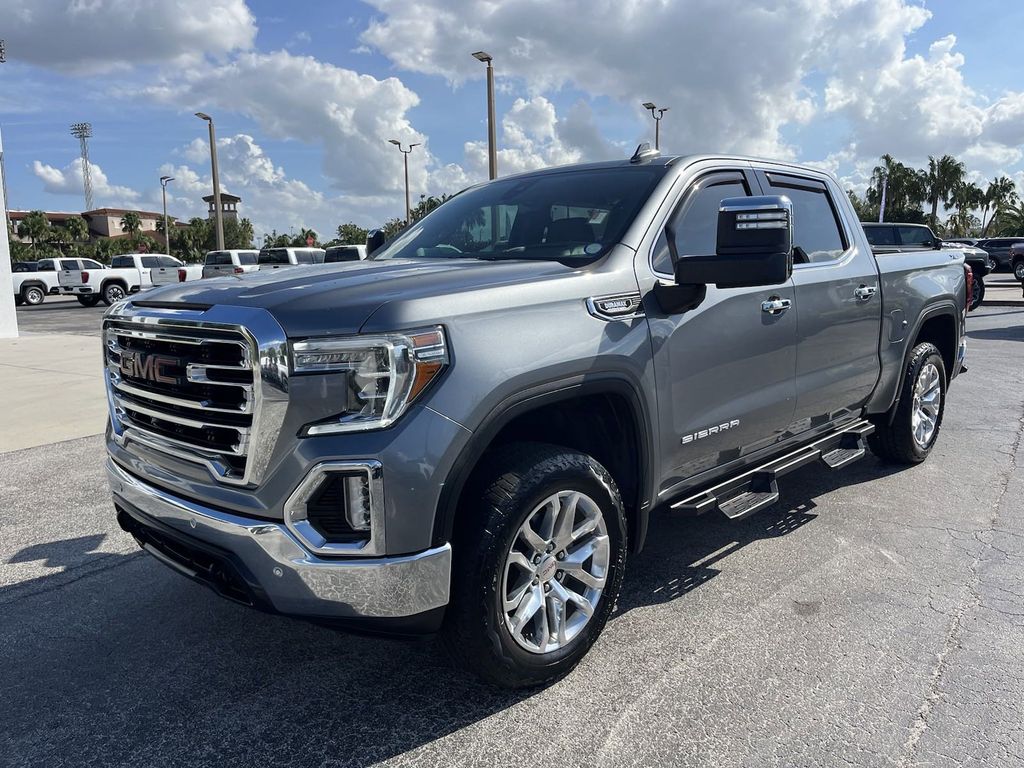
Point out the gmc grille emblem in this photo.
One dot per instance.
(148, 367)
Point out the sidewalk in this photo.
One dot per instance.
(1002, 291)
(53, 389)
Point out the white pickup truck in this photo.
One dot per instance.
(171, 271)
(33, 281)
(129, 273)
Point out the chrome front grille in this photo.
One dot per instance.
(194, 389)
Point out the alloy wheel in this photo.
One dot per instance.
(555, 572)
(927, 402)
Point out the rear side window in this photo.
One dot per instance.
(878, 235)
(304, 257)
(697, 218)
(915, 235)
(122, 262)
(90, 264)
(218, 258)
(816, 229)
(68, 264)
(342, 253)
(247, 258)
(46, 266)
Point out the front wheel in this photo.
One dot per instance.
(88, 301)
(910, 434)
(1018, 271)
(538, 565)
(978, 295)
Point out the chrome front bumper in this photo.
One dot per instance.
(293, 580)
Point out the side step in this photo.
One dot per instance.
(757, 488)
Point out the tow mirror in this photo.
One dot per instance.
(374, 240)
(755, 246)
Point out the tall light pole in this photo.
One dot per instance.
(405, 157)
(164, 180)
(217, 216)
(492, 131)
(657, 113)
(83, 132)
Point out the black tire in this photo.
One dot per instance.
(978, 295)
(33, 295)
(113, 293)
(18, 301)
(1018, 270)
(513, 481)
(893, 440)
(88, 301)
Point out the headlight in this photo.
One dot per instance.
(385, 373)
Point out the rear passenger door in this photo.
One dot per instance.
(724, 370)
(838, 305)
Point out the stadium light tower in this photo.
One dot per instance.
(83, 132)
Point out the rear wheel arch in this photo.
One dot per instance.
(604, 418)
(939, 325)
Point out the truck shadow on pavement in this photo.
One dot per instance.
(1015, 333)
(126, 663)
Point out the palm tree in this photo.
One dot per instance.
(34, 226)
(904, 189)
(1000, 194)
(941, 178)
(76, 229)
(965, 197)
(1011, 220)
(131, 224)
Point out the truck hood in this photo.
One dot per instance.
(331, 299)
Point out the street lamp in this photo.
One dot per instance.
(492, 136)
(657, 113)
(405, 157)
(164, 180)
(216, 181)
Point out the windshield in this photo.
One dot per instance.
(574, 215)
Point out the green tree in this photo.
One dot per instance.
(1011, 220)
(76, 230)
(426, 205)
(301, 240)
(941, 178)
(274, 240)
(351, 234)
(238, 234)
(1000, 193)
(904, 190)
(865, 211)
(965, 198)
(36, 227)
(131, 224)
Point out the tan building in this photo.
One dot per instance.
(103, 222)
(228, 206)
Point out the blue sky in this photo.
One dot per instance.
(306, 94)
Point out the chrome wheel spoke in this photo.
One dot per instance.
(562, 533)
(532, 539)
(533, 602)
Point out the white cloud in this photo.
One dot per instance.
(83, 37)
(68, 181)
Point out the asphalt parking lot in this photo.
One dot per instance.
(872, 618)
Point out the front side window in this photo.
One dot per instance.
(247, 258)
(574, 216)
(46, 265)
(816, 230)
(90, 264)
(697, 219)
(168, 261)
(274, 256)
(68, 264)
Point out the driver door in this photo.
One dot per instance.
(725, 370)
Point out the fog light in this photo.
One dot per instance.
(357, 502)
(337, 509)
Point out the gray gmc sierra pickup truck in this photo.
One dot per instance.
(469, 431)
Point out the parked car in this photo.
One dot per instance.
(338, 253)
(172, 270)
(33, 281)
(221, 263)
(128, 274)
(1017, 260)
(275, 258)
(998, 248)
(468, 431)
(891, 237)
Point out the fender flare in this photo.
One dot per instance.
(537, 397)
(938, 308)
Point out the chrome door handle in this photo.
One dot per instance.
(774, 305)
(865, 292)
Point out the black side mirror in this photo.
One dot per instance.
(374, 240)
(755, 246)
